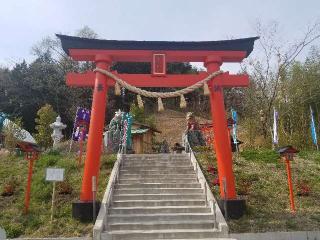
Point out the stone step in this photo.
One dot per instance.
(122, 218)
(159, 164)
(159, 210)
(156, 176)
(157, 156)
(164, 180)
(152, 171)
(117, 197)
(161, 234)
(158, 185)
(173, 159)
(158, 191)
(156, 168)
(157, 203)
(168, 160)
(162, 225)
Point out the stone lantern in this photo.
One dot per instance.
(57, 127)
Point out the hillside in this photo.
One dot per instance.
(261, 179)
(172, 124)
(13, 172)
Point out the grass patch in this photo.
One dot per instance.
(261, 155)
(261, 179)
(37, 222)
(313, 156)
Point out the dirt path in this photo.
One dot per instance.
(172, 124)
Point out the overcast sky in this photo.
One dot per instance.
(25, 22)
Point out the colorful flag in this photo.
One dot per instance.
(313, 129)
(234, 126)
(275, 137)
(81, 124)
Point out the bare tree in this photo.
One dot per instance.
(269, 66)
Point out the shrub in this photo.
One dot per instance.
(13, 230)
(137, 113)
(46, 116)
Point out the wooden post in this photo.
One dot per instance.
(290, 185)
(52, 202)
(81, 146)
(225, 202)
(28, 188)
(94, 190)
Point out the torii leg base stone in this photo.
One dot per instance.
(236, 208)
(83, 211)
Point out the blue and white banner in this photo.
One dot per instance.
(313, 129)
(234, 127)
(275, 137)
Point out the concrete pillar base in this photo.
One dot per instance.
(236, 208)
(83, 211)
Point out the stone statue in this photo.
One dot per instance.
(57, 127)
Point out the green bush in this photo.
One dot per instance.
(261, 155)
(45, 116)
(13, 230)
(137, 113)
(53, 152)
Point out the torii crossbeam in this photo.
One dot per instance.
(159, 53)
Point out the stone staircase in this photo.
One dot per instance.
(158, 196)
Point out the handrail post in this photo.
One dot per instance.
(214, 214)
(205, 192)
(197, 171)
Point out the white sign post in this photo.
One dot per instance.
(54, 175)
(2, 234)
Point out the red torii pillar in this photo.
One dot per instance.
(220, 129)
(84, 208)
(94, 145)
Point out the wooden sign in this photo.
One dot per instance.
(159, 64)
(54, 174)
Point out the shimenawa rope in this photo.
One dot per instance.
(160, 95)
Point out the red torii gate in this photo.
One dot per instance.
(105, 52)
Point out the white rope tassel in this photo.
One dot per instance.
(117, 89)
(140, 102)
(206, 90)
(183, 103)
(160, 105)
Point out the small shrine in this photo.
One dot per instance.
(142, 137)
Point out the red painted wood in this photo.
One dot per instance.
(291, 194)
(159, 64)
(147, 80)
(147, 55)
(222, 144)
(28, 187)
(94, 145)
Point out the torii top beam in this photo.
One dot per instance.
(85, 49)
(158, 53)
